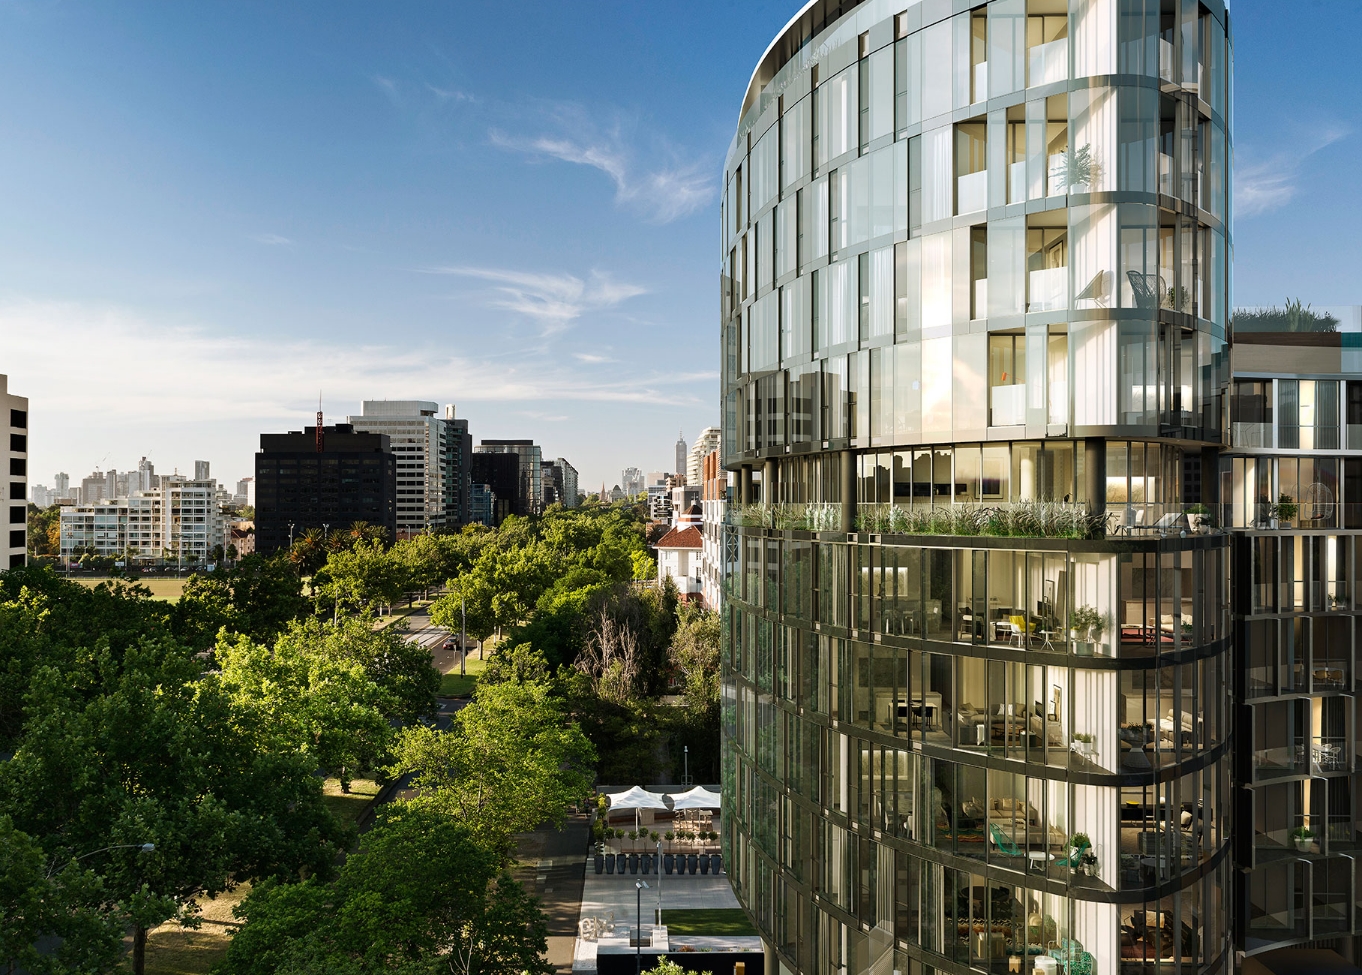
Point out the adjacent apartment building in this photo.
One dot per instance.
(14, 488)
(322, 478)
(433, 454)
(974, 305)
(1292, 495)
(181, 521)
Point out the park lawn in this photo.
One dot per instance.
(704, 921)
(455, 685)
(168, 590)
(347, 806)
(173, 950)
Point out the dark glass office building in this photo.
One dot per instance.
(977, 631)
(304, 482)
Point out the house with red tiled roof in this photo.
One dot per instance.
(678, 557)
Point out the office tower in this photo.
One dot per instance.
(93, 488)
(973, 333)
(201, 470)
(529, 495)
(146, 475)
(40, 495)
(498, 476)
(432, 450)
(14, 489)
(61, 484)
(633, 482)
(305, 480)
(245, 491)
(572, 496)
(483, 501)
(682, 452)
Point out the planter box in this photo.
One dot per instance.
(610, 863)
(716, 862)
(668, 861)
(690, 862)
(600, 864)
(633, 863)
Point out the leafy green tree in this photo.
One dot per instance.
(67, 905)
(423, 893)
(365, 576)
(403, 670)
(259, 597)
(695, 656)
(512, 761)
(294, 699)
(136, 748)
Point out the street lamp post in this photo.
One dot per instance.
(463, 636)
(144, 847)
(639, 887)
(685, 755)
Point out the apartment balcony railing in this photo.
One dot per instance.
(1329, 754)
(1280, 760)
(1016, 181)
(1008, 405)
(1049, 62)
(981, 81)
(1049, 289)
(972, 192)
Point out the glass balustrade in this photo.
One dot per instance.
(972, 192)
(1008, 405)
(1050, 62)
(1049, 289)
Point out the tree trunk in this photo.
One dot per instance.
(139, 949)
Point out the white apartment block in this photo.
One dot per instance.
(432, 461)
(14, 488)
(705, 443)
(181, 522)
(570, 498)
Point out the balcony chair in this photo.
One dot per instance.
(1072, 860)
(1148, 290)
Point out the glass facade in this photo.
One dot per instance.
(974, 301)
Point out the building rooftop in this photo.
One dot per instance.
(688, 537)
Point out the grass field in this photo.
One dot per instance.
(346, 806)
(708, 921)
(173, 950)
(454, 685)
(166, 589)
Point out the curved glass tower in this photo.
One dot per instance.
(975, 277)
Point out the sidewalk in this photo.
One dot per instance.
(554, 870)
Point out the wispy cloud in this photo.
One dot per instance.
(389, 88)
(591, 359)
(552, 300)
(661, 191)
(450, 94)
(273, 240)
(1269, 184)
(163, 368)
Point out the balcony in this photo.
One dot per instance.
(981, 82)
(1016, 182)
(980, 298)
(1166, 60)
(1251, 434)
(1328, 754)
(1049, 289)
(1049, 62)
(1008, 405)
(972, 192)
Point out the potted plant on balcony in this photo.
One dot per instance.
(1303, 838)
(1083, 743)
(1287, 507)
(1197, 516)
(1087, 864)
(1085, 629)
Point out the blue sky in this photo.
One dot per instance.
(210, 212)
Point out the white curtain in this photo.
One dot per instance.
(1092, 29)
(1094, 345)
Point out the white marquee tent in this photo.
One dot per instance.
(697, 798)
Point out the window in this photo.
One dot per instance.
(18, 418)
(18, 443)
(18, 467)
(17, 515)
